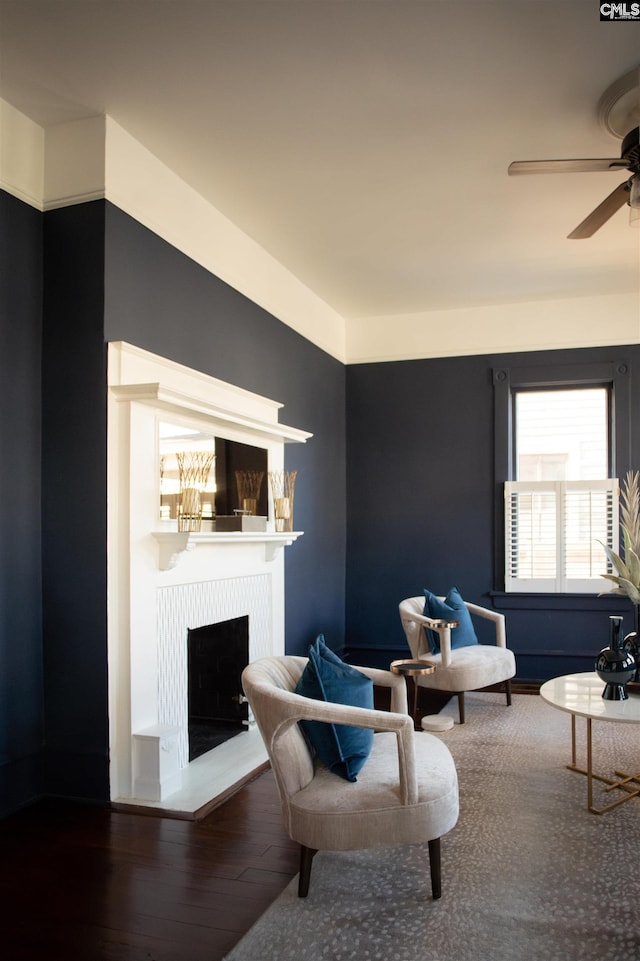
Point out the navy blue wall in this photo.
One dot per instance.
(108, 278)
(160, 300)
(74, 464)
(21, 696)
(421, 502)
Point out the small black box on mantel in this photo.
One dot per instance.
(240, 522)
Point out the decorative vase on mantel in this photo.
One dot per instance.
(283, 484)
(193, 474)
(615, 665)
(249, 483)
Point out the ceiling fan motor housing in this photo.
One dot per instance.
(630, 152)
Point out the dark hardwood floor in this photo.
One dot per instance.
(85, 883)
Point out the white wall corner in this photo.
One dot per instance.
(74, 162)
(95, 157)
(21, 156)
(149, 191)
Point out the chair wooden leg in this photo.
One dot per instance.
(461, 706)
(435, 866)
(507, 689)
(306, 857)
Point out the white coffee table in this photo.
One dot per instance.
(581, 696)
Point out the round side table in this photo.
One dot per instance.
(412, 669)
(580, 695)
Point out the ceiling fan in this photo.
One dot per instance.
(626, 192)
(619, 110)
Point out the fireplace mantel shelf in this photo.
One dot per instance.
(173, 544)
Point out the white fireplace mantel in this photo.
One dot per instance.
(174, 543)
(163, 582)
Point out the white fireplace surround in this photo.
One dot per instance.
(185, 606)
(161, 582)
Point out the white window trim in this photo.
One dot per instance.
(560, 583)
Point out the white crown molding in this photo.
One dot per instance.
(96, 158)
(20, 193)
(71, 200)
(502, 328)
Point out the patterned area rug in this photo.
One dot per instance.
(528, 873)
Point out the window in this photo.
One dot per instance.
(562, 434)
(556, 447)
(560, 505)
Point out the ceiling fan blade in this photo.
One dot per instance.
(616, 199)
(594, 165)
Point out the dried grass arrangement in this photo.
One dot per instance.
(193, 472)
(249, 484)
(283, 483)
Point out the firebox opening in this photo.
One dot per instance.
(217, 655)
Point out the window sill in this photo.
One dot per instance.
(510, 601)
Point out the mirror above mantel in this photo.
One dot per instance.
(234, 485)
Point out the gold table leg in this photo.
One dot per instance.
(624, 782)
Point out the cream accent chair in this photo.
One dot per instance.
(406, 793)
(464, 668)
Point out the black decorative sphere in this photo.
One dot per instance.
(616, 668)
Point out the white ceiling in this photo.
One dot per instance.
(363, 143)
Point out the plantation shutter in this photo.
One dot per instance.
(552, 530)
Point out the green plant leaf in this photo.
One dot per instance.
(616, 580)
(631, 591)
(633, 565)
(624, 587)
(630, 508)
(614, 590)
(615, 560)
(627, 571)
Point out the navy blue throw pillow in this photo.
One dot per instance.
(452, 608)
(342, 748)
